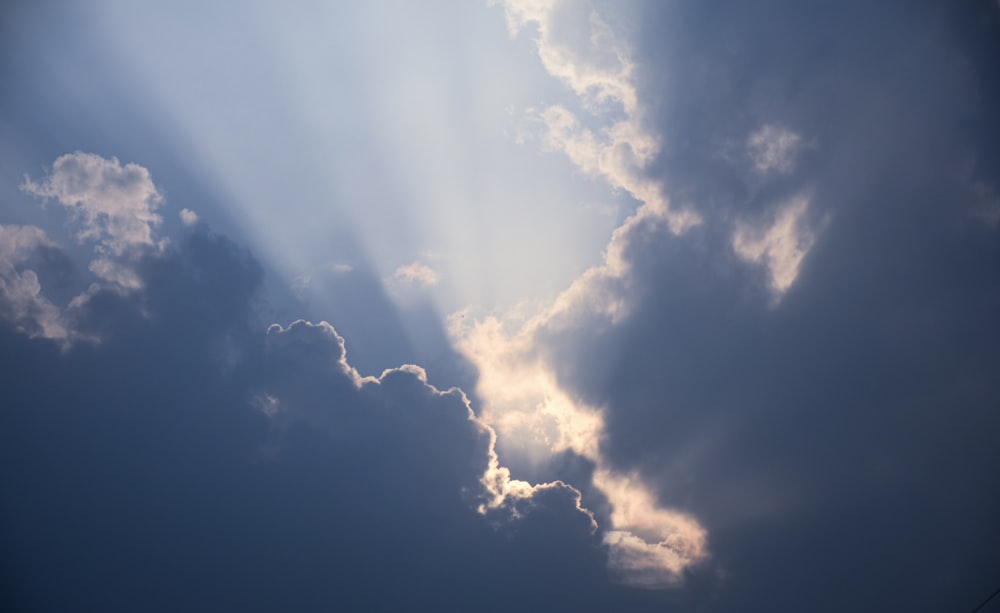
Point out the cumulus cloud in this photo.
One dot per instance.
(416, 273)
(114, 204)
(773, 149)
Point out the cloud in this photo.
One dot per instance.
(114, 204)
(835, 418)
(537, 419)
(416, 273)
(592, 60)
(21, 301)
(264, 470)
(773, 149)
(681, 383)
(781, 247)
(339, 267)
(582, 50)
(188, 217)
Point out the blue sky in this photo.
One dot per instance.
(472, 306)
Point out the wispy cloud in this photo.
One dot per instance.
(21, 300)
(773, 149)
(599, 68)
(780, 246)
(188, 217)
(416, 273)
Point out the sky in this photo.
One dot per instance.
(486, 306)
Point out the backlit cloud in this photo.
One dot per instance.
(773, 364)
(533, 415)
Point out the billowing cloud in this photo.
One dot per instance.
(111, 205)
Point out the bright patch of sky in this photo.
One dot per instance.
(372, 136)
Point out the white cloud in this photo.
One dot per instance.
(773, 149)
(188, 217)
(114, 203)
(781, 246)
(417, 274)
(113, 206)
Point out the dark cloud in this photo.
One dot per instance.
(836, 444)
(189, 460)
